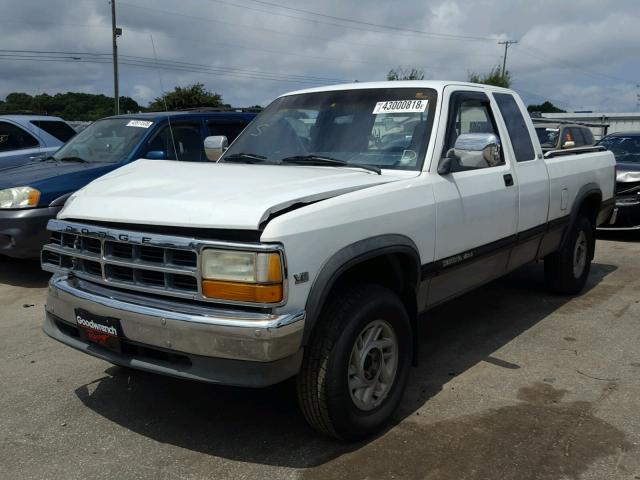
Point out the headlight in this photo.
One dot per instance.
(254, 277)
(19, 197)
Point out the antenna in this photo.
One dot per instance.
(164, 98)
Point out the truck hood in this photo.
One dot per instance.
(212, 195)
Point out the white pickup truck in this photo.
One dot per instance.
(313, 245)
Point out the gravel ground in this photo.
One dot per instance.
(513, 383)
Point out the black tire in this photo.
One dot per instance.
(323, 382)
(559, 273)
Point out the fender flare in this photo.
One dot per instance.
(585, 191)
(347, 257)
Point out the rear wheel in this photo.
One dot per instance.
(356, 365)
(566, 271)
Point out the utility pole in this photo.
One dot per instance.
(506, 44)
(115, 32)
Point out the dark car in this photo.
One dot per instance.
(626, 148)
(558, 136)
(32, 194)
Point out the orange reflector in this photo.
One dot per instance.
(242, 292)
(274, 269)
(33, 197)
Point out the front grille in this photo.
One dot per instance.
(123, 263)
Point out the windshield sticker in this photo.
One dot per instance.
(401, 106)
(139, 123)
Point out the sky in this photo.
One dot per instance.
(579, 54)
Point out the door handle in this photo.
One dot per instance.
(508, 180)
(38, 157)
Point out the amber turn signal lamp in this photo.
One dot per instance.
(242, 292)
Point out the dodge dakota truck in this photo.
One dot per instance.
(317, 241)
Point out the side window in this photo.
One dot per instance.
(182, 141)
(15, 138)
(567, 136)
(576, 133)
(229, 129)
(516, 126)
(470, 125)
(60, 130)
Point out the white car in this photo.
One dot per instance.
(337, 217)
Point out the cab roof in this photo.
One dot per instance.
(437, 85)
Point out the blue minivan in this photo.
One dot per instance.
(33, 193)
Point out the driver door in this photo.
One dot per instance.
(476, 206)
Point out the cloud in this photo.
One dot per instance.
(581, 54)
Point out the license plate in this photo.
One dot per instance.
(104, 331)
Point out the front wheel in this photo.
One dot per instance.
(356, 366)
(566, 270)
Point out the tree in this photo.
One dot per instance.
(187, 97)
(546, 107)
(494, 77)
(405, 74)
(69, 105)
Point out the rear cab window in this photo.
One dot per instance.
(516, 126)
(56, 128)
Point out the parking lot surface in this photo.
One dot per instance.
(513, 383)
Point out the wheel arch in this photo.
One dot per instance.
(588, 201)
(393, 255)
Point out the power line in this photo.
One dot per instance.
(77, 57)
(140, 59)
(568, 65)
(277, 32)
(545, 97)
(403, 30)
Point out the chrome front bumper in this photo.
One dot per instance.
(208, 337)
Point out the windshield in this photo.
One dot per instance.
(626, 148)
(548, 136)
(105, 141)
(385, 128)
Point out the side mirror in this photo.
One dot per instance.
(472, 150)
(156, 155)
(449, 164)
(569, 144)
(215, 146)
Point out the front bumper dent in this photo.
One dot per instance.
(232, 347)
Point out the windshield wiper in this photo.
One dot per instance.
(73, 159)
(243, 157)
(319, 160)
